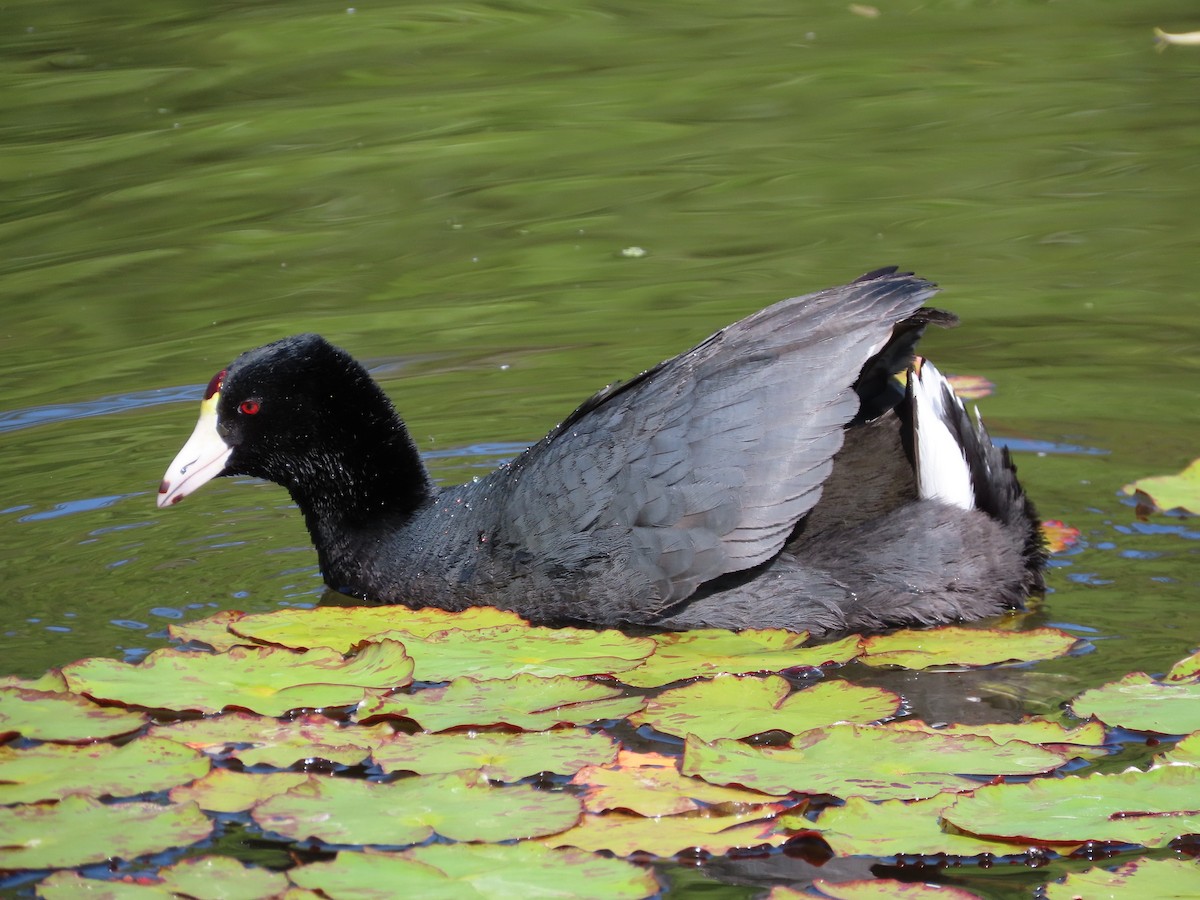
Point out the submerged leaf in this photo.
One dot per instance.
(1143, 703)
(957, 646)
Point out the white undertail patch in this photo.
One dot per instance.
(942, 470)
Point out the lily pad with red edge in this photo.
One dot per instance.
(1138, 879)
(731, 706)
(650, 784)
(1142, 703)
(54, 771)
(875, 762)
(1031, 729)
(212, 631)
(1168, 493)
(1186, 669)
(499, 756)
(72, 886)
(273, 742)
(62, 717)
(1149, 808)
(708, 652)
(895, 828)
(461, 806)
(625, 833)
(342, 627)
(957, 646)
(51, 681)
(79, 830)
(266, 680)
(485, 871)
(888, 889)
(223, 877)
(523, 701)
(1186, 752)
(509, 650)
(227, 791)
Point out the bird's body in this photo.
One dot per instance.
(769, 477)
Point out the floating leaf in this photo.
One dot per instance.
(51, 681)
(1149, 808)
(222, 878)
(64, 717)
(1186, 751)
(461, 806)
(1186, 669)
(878, 763)
(956, 646)
(738, 707)
(651, 785)
(80, 830)
(1142, 703)
(523, 701)
(1059, 536)
(489, 872)
(708, 652)
(1031, 729)
(501, 757)
(226, 791)
(519, 649)
(263, 679)
(894, 828)
(624, 834)
(342, 628)
(970, 387)
(71, 886)
(888, 889)
(1138, 879)
(53, 771)
(213, 631)
(273, 742)
(1168, 492)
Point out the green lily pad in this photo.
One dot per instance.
(71, 886)
(888, 889)
(956, 646)
(461, 806)
(222, 878)
(709, 652)
(79, 830)
(213, 631)
(266, 680)
(650, 785)
(51, 681)
(1149, 808)
(226, 791)
(1169, 492)
(501, 757)
(509, 650)
(53, 771)
(1186, 669)
(523, 701)
(895, 828)
(737, 707)
(342, 628)
(1142, 703)
(625, 834)
(62, 717)
(1186, 752)
(277, 743)
(864, 761)
(1032, 729)
(490, 872)
(1138, 879)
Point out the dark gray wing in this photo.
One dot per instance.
(702, 465)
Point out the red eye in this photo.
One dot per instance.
(249, 407)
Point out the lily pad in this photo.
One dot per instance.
(226, 791)
(889, 889)
(1032, 729)
(956, 646)
(71, 886)
(895, 828)
(737, 707)
(1169, 492)
(863, 761)
(461, 806)
(1149, 808)
(1143, 703)
(1186, 669)
(262, 740)
(1186, 751)
(1138, 879)
(651, 785)
(625, 834)
(266, 680)
(222, 878)
(709, 652)
(501, 757)
(212, 631)
(342, 628)
(53, 771)
(50, 681)
(490, 872)
(523, 701)
(80, 830)
(63, 717)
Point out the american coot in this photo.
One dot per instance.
(777, 475)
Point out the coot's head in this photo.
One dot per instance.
(287, 412)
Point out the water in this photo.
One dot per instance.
(447, 191)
